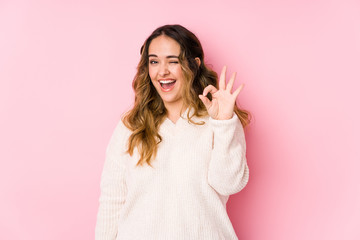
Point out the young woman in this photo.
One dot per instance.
(177, 155)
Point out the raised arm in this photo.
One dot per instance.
(228, 171)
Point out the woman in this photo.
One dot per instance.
(177, 155)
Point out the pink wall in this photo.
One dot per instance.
(66, 69)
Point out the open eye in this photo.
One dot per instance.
(153, 61)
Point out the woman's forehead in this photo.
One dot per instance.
(164, 46)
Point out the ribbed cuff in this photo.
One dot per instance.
(218, 123)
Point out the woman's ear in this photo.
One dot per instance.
(198, 61)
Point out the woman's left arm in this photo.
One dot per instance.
(228, 171)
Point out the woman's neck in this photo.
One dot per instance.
(174, 111)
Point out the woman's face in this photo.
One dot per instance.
(165, 70)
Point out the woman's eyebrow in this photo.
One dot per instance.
(170, 56)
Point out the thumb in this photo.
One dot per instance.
(206, 101)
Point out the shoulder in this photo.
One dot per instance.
(119, 136)
(120, 127)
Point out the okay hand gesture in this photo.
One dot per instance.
(223, 101)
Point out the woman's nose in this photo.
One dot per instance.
(163, 71)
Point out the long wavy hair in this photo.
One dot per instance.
(149, 111)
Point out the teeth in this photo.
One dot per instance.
(166, 81)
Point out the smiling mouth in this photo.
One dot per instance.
(167, 85)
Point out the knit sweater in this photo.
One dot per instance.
(184, 195)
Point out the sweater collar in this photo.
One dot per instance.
(182, 117)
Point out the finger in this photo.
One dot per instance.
(206, 101)
(231, 82)
(238, 90)
(222, 79)
(209, 88)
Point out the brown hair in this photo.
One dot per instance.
(149, 111)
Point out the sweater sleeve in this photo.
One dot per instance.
(112, 186)
(228, 171)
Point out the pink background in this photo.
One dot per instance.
(66, 69)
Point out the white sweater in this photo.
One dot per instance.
(184, 196)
